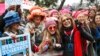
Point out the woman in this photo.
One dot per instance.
(12, 24)
(72, 38)
(82, 18)
(51, 37)
(55, 13)
(96, 32)
(35, 25)
(92, 14)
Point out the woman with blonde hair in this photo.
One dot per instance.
(51, 37)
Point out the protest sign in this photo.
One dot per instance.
(12, 2)
(15, 47)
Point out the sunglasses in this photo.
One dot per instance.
(52, 27)
(66, 19)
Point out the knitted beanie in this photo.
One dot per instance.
(49, 22)
(65, 11)
(11, 17)
(53, 11)
(75, 14)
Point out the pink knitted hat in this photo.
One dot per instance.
(63, 11)
(49, 22)
(53, 11)
(75, 14)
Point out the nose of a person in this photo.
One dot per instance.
(52, 29)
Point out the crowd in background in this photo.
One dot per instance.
(64, 32)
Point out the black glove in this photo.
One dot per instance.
(78, 24)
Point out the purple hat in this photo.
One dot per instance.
(49, 22)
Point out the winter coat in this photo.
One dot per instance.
(36, 37)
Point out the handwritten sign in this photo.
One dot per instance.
(18, 47)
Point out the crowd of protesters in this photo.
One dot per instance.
(64, 32)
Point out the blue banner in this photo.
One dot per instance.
(15, 47)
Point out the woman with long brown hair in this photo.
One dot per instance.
(73, 36)
(96, 32)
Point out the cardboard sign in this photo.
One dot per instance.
(15, 47)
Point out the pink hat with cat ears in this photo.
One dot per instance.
(49, 22)
(75, 14)
(53, 11)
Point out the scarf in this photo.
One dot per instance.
(77, 43)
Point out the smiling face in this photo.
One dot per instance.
(82, 18)
(66, 22)
(52, 29)
(97, 19)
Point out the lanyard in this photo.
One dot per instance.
(70, 37)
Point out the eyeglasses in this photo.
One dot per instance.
(52, 27)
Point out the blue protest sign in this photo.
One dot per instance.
(21, 46)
